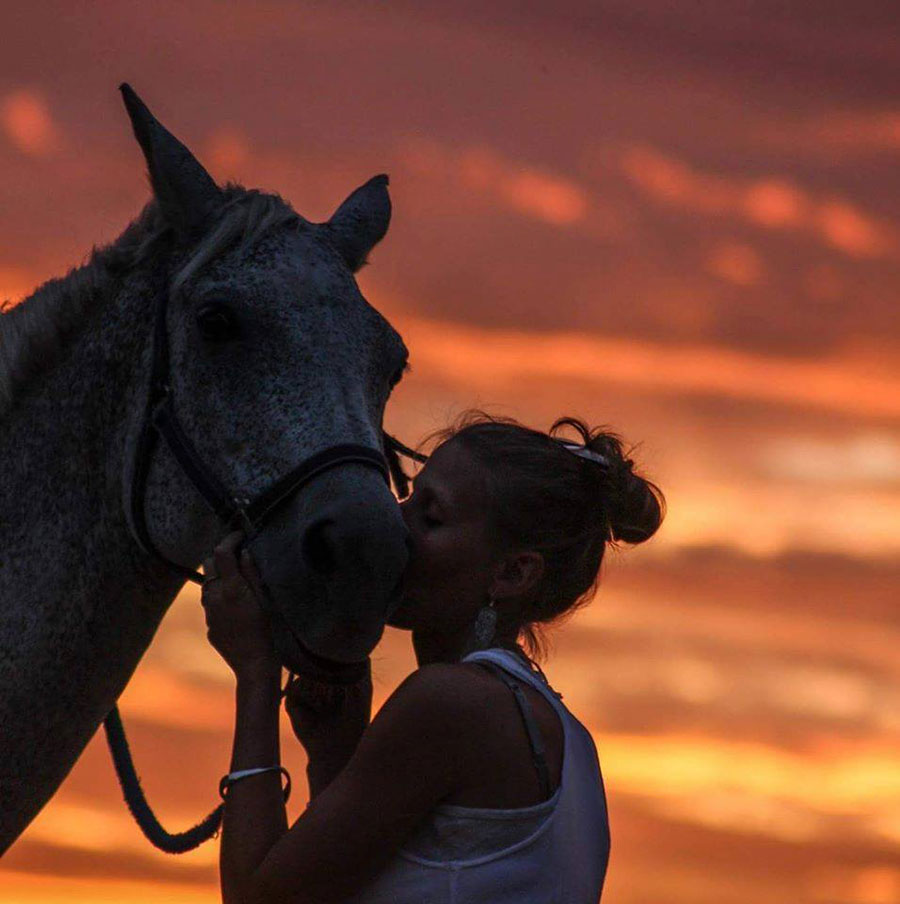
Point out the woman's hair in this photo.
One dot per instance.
(566, 506)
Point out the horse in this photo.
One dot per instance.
(214, 367)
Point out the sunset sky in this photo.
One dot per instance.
(678, 219)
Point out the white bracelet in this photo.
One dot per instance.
(227, 780)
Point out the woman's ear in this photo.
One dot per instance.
(518, 575)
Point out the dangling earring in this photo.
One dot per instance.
(485, 625)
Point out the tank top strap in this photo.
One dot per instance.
(534, 736)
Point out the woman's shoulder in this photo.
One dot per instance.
(455, 686)
(460, 694)
(436, 709)
(471, 698)
(459, 684)
(481, 725)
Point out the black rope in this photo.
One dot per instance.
(178, 843)
(398, 475)
(393, 449)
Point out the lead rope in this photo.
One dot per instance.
(135, 799)
(177, 843)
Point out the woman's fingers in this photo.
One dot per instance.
(207, 589)
(250, 573)
(225, 560)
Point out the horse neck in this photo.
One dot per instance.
(79, 603)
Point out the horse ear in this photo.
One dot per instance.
(186, 192)
(361, 221)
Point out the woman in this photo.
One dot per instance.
(473, 783)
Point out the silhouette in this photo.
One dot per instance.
(274, 356)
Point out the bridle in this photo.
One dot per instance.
(234, 510)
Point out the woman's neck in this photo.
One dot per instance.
(442, 648)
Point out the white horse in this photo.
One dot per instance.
(271, 356)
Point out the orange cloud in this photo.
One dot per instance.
(864, 457)
(742, 786)
(547, 197)
(226, 152)
(90, 828)
(774, 203)
(779, 510)
(847, 229)
(736, 263)
(456, 353)
(535, 192)
(26, 121)
(768, 203)
(24, 888)
(851, 130)
(158, 696)
(765, 519)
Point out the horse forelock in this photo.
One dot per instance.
(35, 333)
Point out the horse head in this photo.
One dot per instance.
(273, 356)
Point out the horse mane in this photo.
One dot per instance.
(36, 332)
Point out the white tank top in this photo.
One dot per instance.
(554, 852)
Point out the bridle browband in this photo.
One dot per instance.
(234, 510)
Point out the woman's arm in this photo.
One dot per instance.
(255, 816)
(408, 760)
(328, 721)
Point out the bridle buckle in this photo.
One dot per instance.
(240, 516)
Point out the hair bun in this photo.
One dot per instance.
(636, 514)
(634, 506)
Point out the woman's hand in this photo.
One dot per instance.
(236, 625)
(328, 719)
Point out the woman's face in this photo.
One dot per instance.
(453, 552)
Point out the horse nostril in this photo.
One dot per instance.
(317, 549)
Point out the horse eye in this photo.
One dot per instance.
(216, 322)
